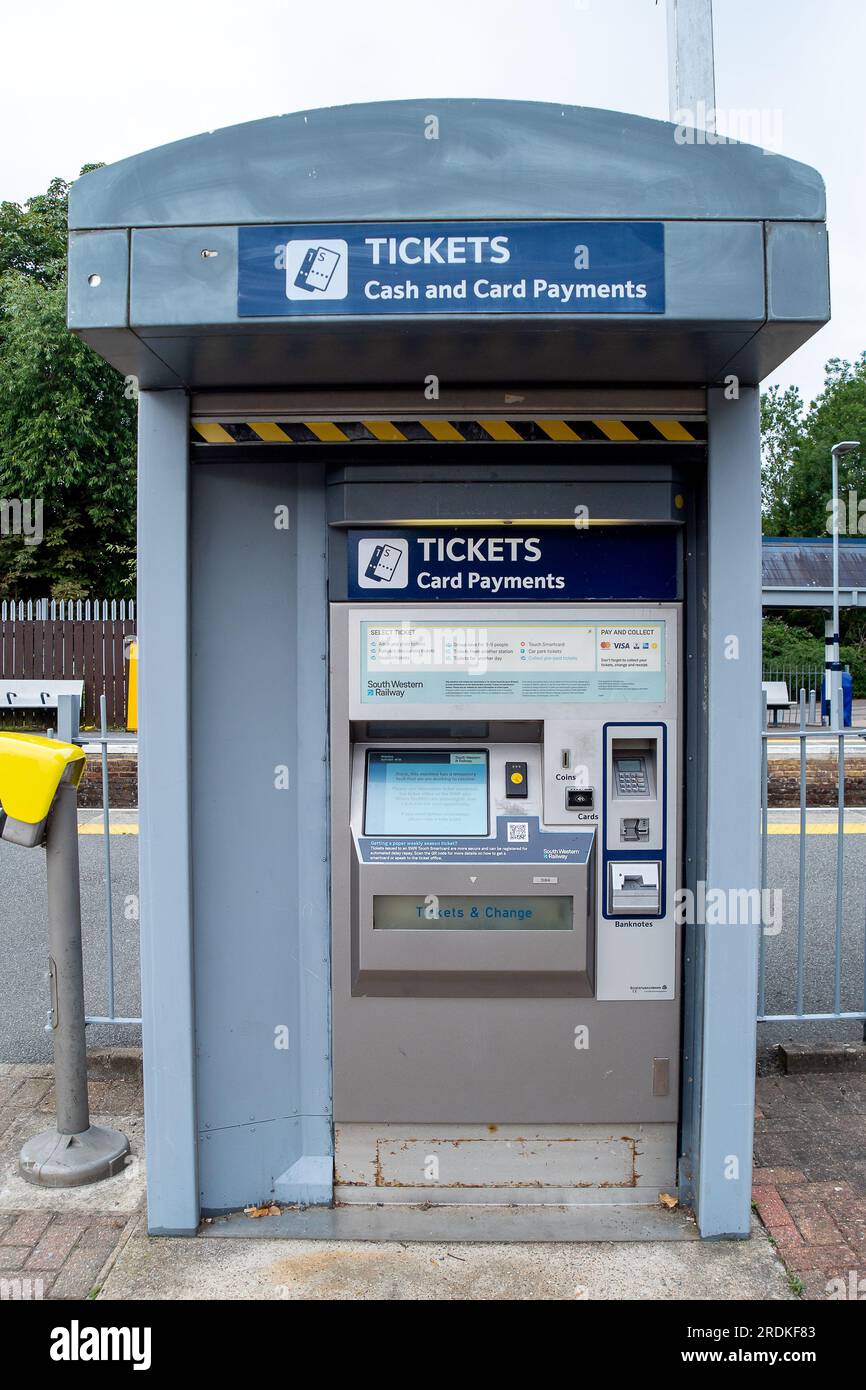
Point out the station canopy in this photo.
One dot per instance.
(798, 572)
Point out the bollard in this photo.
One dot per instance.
(40, 795)
(74, 1152)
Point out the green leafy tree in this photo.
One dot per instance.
(781, 432)
(796, 455)
(838, 413)
(33, 237)
(797, 500)
(788, 646)
(67, 427)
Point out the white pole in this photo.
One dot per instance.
(691, 69)
(833, 676)
(835, 681)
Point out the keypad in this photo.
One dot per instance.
(633, 782)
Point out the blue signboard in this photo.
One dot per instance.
(452, 268)
(504, 564)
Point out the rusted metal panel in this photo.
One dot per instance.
(465, 1163)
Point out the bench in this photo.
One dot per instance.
(46, 694)
(777, 697)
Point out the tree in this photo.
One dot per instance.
(838, 413)
(796, 449)
(781, 427)
(33, 237)
(67, 429)
(797, 500)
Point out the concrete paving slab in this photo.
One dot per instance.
(166, 1268)
(476, 1222)
(117, 1196)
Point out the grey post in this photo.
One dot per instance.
(730, 979)
(66, 970)
(168, 1024)
(74, 1152)
(68, 716)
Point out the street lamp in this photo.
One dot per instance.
(833, 666)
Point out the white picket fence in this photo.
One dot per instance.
(69, 611)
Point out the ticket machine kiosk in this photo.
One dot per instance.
(505, 811)
(449, 461)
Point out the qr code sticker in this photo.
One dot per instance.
(518, 832)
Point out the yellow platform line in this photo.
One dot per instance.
(775, 828)
(117, 828)
(828, 827)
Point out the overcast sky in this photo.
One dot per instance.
(101, 79)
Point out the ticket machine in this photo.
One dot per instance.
(505, 813)
(488, 405)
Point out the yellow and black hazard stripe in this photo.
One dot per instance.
(596, 431)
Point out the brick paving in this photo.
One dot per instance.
(59, 1253)
(810, 1176)
(63, 1260)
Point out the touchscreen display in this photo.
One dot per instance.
(426, 792)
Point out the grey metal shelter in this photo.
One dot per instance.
(288, 418)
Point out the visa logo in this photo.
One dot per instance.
(621, 646)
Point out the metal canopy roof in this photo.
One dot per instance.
(797, 572)
(745, 248)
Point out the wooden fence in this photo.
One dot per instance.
(83, 640)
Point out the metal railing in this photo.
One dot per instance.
(803, 739)
(803, 678)
(68, 731)
(796, 678)
(834, 743)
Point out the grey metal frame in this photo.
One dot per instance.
(165, 861)
(804, 735)
(726, 967)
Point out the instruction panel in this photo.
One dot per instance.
(506, 662)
